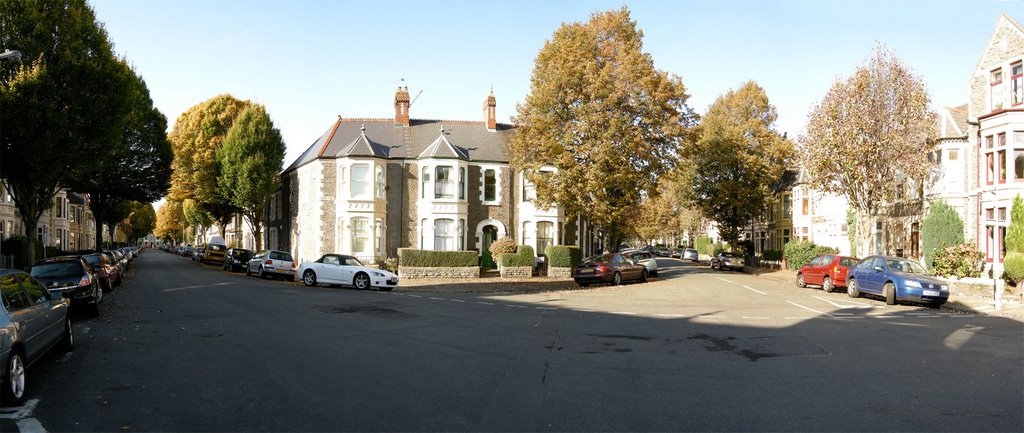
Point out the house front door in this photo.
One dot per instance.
(490, 234)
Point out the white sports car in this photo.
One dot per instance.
(346, 270)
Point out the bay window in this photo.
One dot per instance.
(425, 182)
(443, 182)
(444, 235)
(379, 183)
(462, 183)
(379, 237)
(545, 235)
(360, 173)
(360, 235)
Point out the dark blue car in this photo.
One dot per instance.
(896, 279)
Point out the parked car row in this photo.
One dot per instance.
(336, 269)
(35, 313)
(892, 278)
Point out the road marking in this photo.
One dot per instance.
(456, 300)
(756, 317)
(30, 425)
(755, 290)
(196, 287)
(711, 316)
(810, 309)
(484, 303)
(628, 313)
(799, 318)
(850, 305)
(583, 311)
(510, 306)
(545, 308)
(842, 314)
(723, 279)
(669, 315)
(414, 296)
(437, 299)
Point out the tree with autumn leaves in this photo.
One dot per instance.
(227, 157)
(869, 138)
(604, 117)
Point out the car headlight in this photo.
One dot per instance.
(377, 274)
(912, 283)
(944, 288)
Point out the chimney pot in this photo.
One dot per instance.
(490, 118)
(402, 106)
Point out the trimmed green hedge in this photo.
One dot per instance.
(437, 259)
(522, 257)
(799, 253)
(701, 244)
(771, 255)
(563, 256)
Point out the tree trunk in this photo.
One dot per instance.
(255, 222)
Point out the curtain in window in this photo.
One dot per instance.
(443, 183)
(444, 235)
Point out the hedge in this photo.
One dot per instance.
(437, 259)
(563, 256)
(771, 255)
(522, 257)
(1014, 268)
(701, 245)
(799, 253)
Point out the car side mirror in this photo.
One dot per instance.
(55, 295)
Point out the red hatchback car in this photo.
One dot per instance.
(827, 271)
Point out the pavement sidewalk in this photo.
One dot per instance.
(1012, 306)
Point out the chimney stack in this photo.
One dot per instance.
(489, 115)
(402, 106)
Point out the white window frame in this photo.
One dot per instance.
(359, 229)
(444, 236)
(364, 182)
(444, 189)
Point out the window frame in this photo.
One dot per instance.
(1016, 84)
(492, 187)
(363, 182)
(441, 186)
(995, 93)
(358, 233)
(444, 235)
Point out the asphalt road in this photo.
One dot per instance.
(183, 347)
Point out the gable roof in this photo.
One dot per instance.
(952, 122)
(382, 138)
(1003, 19)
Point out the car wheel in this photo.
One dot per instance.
(826, 285)
(654, 274)
(800, 281)
(616, 279)
(890, 293)
(643, 276)
(248, 272)
(309, 278)
(851, 289)
(361, 281)
(14, 391)
(68, 342)
(263, 275)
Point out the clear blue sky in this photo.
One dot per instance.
(309, 61)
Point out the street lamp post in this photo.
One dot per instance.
(14, 56)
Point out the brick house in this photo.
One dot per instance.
(367, 187)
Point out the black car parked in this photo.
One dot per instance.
(72, 276)
(236, 259)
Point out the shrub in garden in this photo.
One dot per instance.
(771, 255)
(961, 261)
(522, 257)
(502, 246)
(941, 227)
(701, 244)
(414, 258)
(799, 252)
(563, 256)
(714, 249)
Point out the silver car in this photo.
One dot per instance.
(690, 254)
(646, 259)
(32, 320)
(272, 263)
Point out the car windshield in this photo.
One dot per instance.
(906, 266)
(602, 259)
(57, 269)
(92, 259)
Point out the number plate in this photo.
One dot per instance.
(931, 293)
(587, 271)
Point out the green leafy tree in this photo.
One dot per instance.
(1015, 232)
(63, 102)
(196, 136)
(869, 138)
(250, 158)
(142, 221)
(604, 117)
(196, 215)
(111, 215)
(736, 160)
(942, 227)
(137, 165)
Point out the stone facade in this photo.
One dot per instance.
(328, 196)
(560, 273)
(412, 273)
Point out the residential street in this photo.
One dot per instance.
(186, 347)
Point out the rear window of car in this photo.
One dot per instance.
(57, 269)
(217, 248)
(92, 260)
(274, 255)
(241, 254)
(847, 261)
